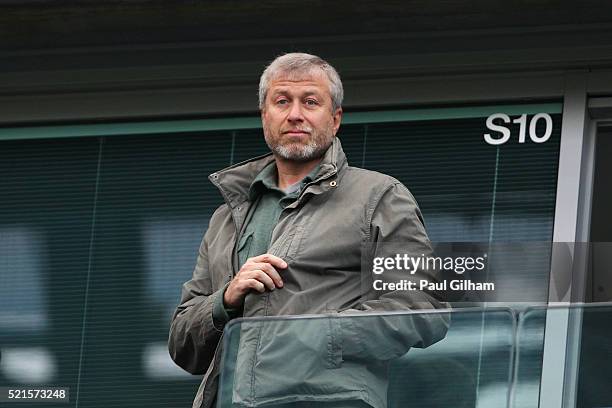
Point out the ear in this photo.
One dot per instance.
(337, 118)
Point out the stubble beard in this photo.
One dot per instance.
(315, 148)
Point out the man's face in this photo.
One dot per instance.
(297, 117)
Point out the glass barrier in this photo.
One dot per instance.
(458, 358)
(579, 344)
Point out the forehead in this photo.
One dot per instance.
(308, 82)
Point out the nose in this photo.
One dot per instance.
(295, 113)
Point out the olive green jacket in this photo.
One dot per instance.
(321, 236)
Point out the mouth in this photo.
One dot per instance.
(296, 132)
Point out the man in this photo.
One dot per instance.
(289, 241)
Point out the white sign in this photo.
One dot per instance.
(495, 123)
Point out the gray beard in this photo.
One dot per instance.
(306, 153)
(303, 153)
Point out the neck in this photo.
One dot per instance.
(291, 172)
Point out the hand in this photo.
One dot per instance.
(257, 273)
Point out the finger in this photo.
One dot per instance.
(271, 259)
(262, 277)
(256, 285)
(271, 272)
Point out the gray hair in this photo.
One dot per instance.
(296, 65)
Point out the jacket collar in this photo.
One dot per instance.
(233, 182)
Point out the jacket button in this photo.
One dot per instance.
(332, 183)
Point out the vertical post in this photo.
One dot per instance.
(562, 332)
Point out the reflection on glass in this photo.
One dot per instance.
(530, 352)
(170, 248)
(22, 296)
(157, 364)
(28, 365)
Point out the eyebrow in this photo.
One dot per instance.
(282, 91)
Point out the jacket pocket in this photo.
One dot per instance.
(290, 360)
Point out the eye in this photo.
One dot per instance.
(282, 101)
(311, 102)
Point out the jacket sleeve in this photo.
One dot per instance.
(396, 224)
(193, 336)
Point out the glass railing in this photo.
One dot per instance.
(564, 357)
(557, 356)
(456, 358)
